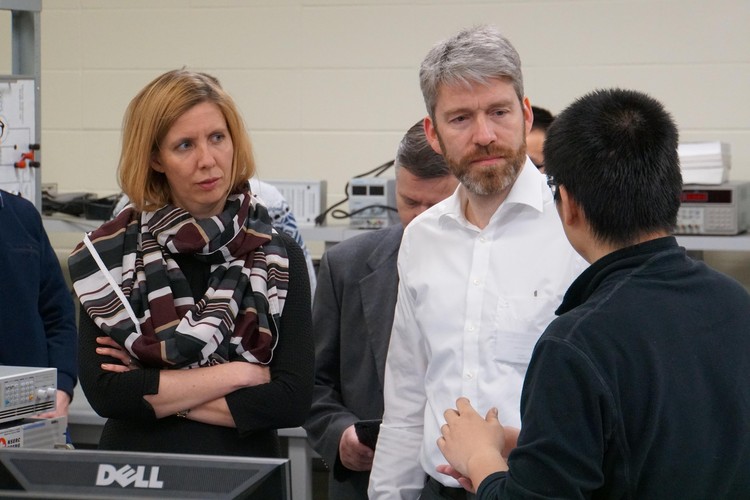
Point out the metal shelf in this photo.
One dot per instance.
(734, 243)
(329, 234)
(27, 63)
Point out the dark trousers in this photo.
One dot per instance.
(434, 490)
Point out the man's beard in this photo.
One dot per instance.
(487, 180)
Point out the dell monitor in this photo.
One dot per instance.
(79, 474)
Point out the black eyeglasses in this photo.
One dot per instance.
(552, 183)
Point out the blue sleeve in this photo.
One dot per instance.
(37, 318)
(58, 315)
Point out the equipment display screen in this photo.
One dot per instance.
(695, 196)
(706, 196)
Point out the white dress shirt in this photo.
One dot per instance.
(471, 305)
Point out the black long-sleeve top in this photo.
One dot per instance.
(639, 389)
(257, 411)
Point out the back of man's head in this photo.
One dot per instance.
(543, 118)
(615, 152)
(474, 55)
(423, 179)
(417, 156)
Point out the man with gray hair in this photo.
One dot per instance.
(480, 274)
(352, 318)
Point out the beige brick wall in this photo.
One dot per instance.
(327, 87)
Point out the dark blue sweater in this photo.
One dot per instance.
(640, 388)
(37, 317)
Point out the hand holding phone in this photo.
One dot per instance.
(367, 432)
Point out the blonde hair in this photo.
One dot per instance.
(149, 117)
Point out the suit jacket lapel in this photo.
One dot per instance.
(378, 292)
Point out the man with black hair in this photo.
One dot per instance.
(535, 138)
(638, 389)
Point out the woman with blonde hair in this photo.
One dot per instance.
(195, 326)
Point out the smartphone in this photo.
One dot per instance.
(367, 432)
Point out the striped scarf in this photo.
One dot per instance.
(133, 290)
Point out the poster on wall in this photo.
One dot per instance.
(18, 145)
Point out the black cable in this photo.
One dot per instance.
(379, 169)
(341, 214)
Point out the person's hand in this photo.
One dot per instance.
(62, 401)
(252, 374)
(108, 347)
(511, 439)
(353, 454)
(472, 444)
(465, 482)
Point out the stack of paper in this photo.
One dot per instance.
(704, 162)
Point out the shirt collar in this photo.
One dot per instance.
(530, 188)
(526, 190)
(629, 258)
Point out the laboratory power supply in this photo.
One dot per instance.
(34, 433)
(25, 391)
(372, 202)
(722, 209)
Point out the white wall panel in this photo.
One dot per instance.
(261, 37)
(269, 99)
(278, 155)
(61, 40)
(63, 106)
(327, 87)
(105, 110)
(361, 99)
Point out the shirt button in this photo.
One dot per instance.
(477, 282)
(470, 328)
(469, 375)
(482, 239)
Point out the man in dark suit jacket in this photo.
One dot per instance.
(352, 318)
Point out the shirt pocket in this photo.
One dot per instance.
(518, 324)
